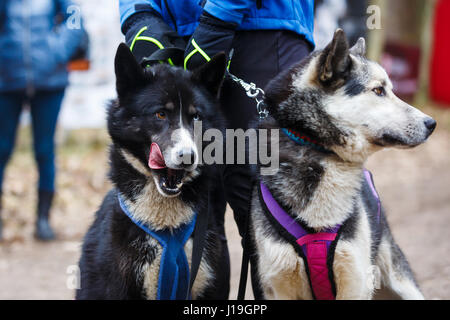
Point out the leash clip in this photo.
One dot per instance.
(253, 92)
(261, 108)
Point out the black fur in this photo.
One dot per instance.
(375, 222)
(354, 86)
(115, 249)
(301, 110)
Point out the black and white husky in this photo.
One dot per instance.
(344, 106)
(151, 125)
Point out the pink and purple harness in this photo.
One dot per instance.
(316, 249)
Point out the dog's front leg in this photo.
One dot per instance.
(282, 272)
(351, 270)
(290, 284)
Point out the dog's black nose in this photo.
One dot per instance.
(186, 156)
(430, 124)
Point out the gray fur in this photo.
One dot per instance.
(303, 110)
(320, 189)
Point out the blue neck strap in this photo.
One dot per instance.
(173, 280)
(304, 140)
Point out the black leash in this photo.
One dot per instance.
(198, 245)
(245, 258)
(257, 94)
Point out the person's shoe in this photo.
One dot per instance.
(43, 229)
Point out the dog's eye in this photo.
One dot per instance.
(196, 117)
(379, 91)
(161, 115)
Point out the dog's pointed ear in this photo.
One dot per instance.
(359, 49)
(335, 59)
(211, 74)
(129, 74)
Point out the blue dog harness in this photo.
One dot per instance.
(173, 280)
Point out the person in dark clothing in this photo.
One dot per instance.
(34, 52)
(267, 37)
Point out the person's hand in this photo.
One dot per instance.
(146, 33)
(211, 36)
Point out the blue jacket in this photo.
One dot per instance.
(34, 50)
(294, 15)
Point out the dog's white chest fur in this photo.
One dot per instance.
(282, 270)
(283, 274)
(160, 212)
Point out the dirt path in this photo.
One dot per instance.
(414, 186)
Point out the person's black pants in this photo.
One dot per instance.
(258, 57)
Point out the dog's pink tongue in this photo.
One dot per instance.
(156, 159)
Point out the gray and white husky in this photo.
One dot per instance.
(344, 102)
